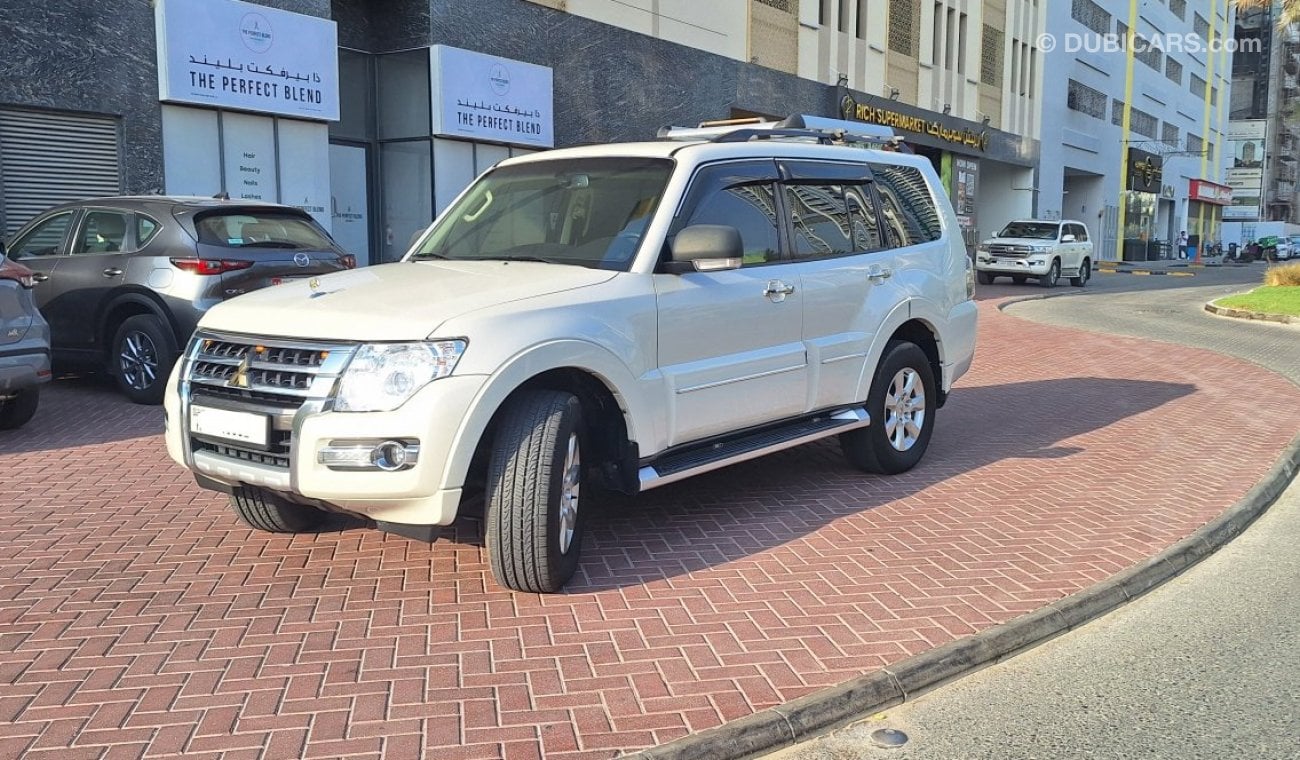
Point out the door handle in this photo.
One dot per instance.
(39, 277)
(777, 291)
(112, 272)
(877, 273)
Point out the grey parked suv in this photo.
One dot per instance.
(123, 281)
(24, 345)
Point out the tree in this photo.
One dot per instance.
(1289, 13)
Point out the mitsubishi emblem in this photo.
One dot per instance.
(240, 378)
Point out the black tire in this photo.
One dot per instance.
(525, 487)
(1018, 279)
(268, 512)
(986, 278)
(1053, 275)
(17, 411)
(870, 448)
(1085, 273)
(150, 342)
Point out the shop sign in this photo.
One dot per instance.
(231, 54)
(1210, 192)
(482, 97)
(851, 109)
(1145, 171)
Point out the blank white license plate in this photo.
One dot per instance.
(240, 427)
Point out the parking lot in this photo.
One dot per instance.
(139, 618)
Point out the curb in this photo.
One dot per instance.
(1224, 311)
(1146, 272)
(816, 713)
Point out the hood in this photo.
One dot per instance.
(402, 301)
(1018, 241)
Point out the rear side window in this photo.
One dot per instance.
(145, 229)
(260, 230)
(1080, 233)
(907, 205)
(819, 215)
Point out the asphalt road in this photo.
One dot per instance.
(1207, 666)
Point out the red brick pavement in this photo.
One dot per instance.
(138, 618)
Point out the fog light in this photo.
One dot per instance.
(386, 455)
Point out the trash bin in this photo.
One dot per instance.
(1232, 251)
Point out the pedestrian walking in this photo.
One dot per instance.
(1182, 244)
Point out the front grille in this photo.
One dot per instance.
(998, 249)
(270, 376)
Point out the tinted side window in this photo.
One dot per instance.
(102, 232)
(819, 216)
(866, 224)
(145, 228)
(751, 209)
(45, 239)
(907, 205)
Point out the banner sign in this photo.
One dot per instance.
(231, 54)
(1247, 140)
(1145, 171)
(483, 97)
(1209, 192)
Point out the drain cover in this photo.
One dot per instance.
(888, 737)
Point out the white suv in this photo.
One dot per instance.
(1045, 250)
(622, 317)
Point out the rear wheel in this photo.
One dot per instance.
(987, 278)
(266, 511)
(143, 353)
(17, 411)
(1085, 272)
(534, 524)
(901, 405)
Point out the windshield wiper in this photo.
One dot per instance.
(539, 259)
(431, 255)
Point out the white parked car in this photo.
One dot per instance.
(1044, 250)
(622, 316)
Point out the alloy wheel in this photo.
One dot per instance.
(905, 409)
(138, 360)
(570, 487)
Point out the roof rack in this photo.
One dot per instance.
(822, 130)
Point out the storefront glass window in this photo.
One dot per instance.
(408, 196)
(404, 95)
(356, 107)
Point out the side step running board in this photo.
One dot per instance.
(693, 460)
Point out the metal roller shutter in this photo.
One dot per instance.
(52, 158)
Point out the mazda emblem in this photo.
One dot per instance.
(301, 259)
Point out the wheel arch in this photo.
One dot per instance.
(911, 321)
(129, 304)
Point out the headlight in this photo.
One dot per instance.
(982, 247)
(382, 376)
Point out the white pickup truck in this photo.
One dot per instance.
(1045, 250)
(620, 316)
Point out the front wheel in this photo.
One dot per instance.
(534, 484)
(266, 511)
(143, 353)
(18, 410)
(901, 405)
(1085, 272)
(986, 278)
(1053, 275)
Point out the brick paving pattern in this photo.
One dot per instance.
(139, 618)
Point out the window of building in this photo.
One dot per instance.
(1084, 99)
(992, 50)
(845, 15)
(1147, 53)
(1143, 123)
(1179, 9)
(1117, 112)
(909, 210)
(1170, 135)
(1174, 71)
(1195, 144)
(1197, 86)
(862, 19)
(904, 25)
(1091, 15)
(1201, 27)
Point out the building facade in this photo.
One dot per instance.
(374, 116)
(1264, 124)
(1135, 122)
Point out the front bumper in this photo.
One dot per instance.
(1029, 267)
(423, 494)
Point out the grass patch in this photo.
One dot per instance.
(1285, 275)
(1269, 300)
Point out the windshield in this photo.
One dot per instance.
(586, 212)
(261, 229)
(1036, 230)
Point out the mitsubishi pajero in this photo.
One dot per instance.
(590, 319)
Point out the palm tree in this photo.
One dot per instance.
(1289, 14)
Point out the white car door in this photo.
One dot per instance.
(731, 343)
(846, 275)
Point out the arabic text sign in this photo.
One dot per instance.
(483, 97)
(851, 109)
(232, 54)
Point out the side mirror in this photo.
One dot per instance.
(706, 248)
(1068, 238)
